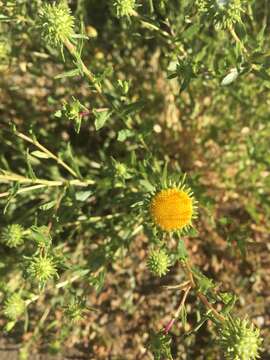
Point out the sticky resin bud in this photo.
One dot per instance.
(57, 23)
(158, 262)
(12, 235)
(240, 340)
(14, 307)
(123, 8)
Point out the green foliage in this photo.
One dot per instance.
(73, 111)
(144, 92)
(160, 346)
(223, 13)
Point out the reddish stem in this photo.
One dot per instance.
(169, 326)
(85, 113)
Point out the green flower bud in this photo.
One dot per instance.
(14, 307)
(159, 345)
(73, 110)
(42, 269)
(12, 235)
(123, 86)
(75, 310)
(240, 340)
(55, 347)
(223, 13)
(57, 23)
(123, 8)
(158, 262)
(120, 169)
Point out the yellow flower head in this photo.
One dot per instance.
(172, 209)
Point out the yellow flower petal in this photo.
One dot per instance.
(172, 209)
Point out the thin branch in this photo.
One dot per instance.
(179, 287)
(176, 315)
(38, 183)
(210, 307)
(202, 297)
(59, 285)
(56, 208)
(46, 151)
(72, 49)
(26, 189)
(177, 312)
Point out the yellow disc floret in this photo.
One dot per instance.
(172, 209)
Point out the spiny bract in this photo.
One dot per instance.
(12, 235)
(42, 268)
(240, 340)
(158, 262)
(123, 7)
(14, 307)
(57, 23)
(74, 311)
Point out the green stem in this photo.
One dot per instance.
(202, 297)
(60, 285)
(237, 40)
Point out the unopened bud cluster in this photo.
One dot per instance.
(73, 111)
(223, 13)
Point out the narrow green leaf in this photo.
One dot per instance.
(147, 185)
(71, 73)
(181, 250)
(10, 325)
(101, 118)
(190, 31)
(183, 315)
(83, 195)
(48, 205)
(230, 77)
(30, 172)
(40, 154)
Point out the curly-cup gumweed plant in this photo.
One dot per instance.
(127, 129)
